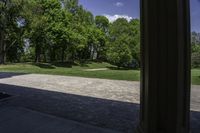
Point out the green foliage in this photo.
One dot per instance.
(102, 23)
(195, 49)
(10, 32)
(62, 30)
(119, 53)
(124, 45)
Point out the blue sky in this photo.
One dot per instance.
(129, 9)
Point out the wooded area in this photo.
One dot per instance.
(195, 49)
(63, 31)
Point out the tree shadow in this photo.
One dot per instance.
(85, 63)
(44, 65)
(64, 64)
(119, 68)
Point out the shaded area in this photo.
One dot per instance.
(195, 122)
(3, 95)
(119, 68)
(43, 65)
(22, 120)
(116, 115)
(64, 64)
(10, 74)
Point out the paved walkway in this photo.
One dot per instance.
(124, 91)
(104, 103)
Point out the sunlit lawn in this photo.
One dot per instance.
(74, 70)
(196, 76)
(82, 70)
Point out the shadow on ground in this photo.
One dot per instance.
(195, 122)
(118, 68)
(115, 115)
(64, 64)
(121, 68)
(10, 74)
(44, 65)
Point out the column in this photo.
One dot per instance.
(165, 76)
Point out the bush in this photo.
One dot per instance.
(119, 55)
(195, 60)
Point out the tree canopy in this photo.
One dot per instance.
(62, 31)
(195, 37)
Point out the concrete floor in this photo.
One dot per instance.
(124, 91)
(21, 120)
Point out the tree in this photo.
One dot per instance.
(47, 28)
(9, 28)
(71, 5)
(119, 52)
(36, 24)
(79, 26)
(62, 30)
(195, 37)
(102, 23)
(134, 41)
(118, 27)
(95, 39)
(124, 35)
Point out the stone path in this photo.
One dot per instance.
(104, 103)
(99, 69)
(124, 91)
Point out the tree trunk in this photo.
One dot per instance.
(45, 57)
(63, 55)
(37, 53)
(2, 49)
(2, 57)
(37, 58)
(53, 54)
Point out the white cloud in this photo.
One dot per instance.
(115, 17)
(119, 4)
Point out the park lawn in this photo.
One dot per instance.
(81, 70)
(74, 70)
(195, 76)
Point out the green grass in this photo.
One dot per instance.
(74, 70)
(195, 76)
(80, 70)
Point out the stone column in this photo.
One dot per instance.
(165, 80)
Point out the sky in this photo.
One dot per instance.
(130, 9)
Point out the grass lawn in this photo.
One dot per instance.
(74, 70)
(196, 76)
(82, 71)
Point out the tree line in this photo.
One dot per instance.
(195, 38)
(63, 31)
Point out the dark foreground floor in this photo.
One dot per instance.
(114, 115)
(21, 120)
